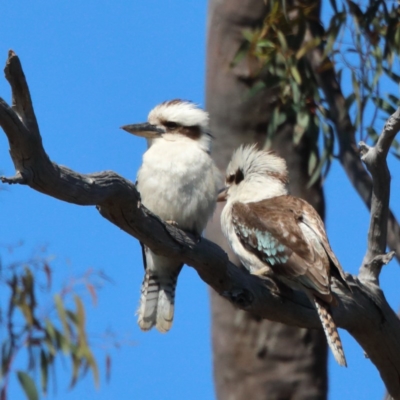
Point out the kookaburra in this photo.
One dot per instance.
(177, 181)
(274, 233)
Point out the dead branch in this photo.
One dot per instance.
(348, 152)
(364, 312)
(375, 160)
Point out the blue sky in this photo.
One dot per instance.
(96, 65)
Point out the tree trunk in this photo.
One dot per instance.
(265, 359)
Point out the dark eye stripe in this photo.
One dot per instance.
(230, 178)
(239, 176)
(170, 124)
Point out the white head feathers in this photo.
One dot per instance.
(252, 161)
(183, 113)
(254, 175)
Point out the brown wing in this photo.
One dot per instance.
(290, 238)
(312, 219)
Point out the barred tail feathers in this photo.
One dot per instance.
(148, 301)
(166, 302)
(331, 332)
(157, 298)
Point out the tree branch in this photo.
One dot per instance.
(348, 152)
(375, 160)
(364, 312)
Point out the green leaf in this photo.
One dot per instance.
(332, 32)
(371, 12)
(273, 126)
(27, 311)
(312, 162)
(284, 9)
(355, 10)
(257, 87)
(63, 315)
(44, 375)
(248, 34)
(311, 44)
(394, 99)
(318, 168)
(298, 134)
(28, 385)
(72, 317)
(356, 89)
(392, 75)
(296, 74)
(50, 337)
(93, 365)
(282, 41)
(108, 367)
(76, 364)
(334, 5)
(62, 342)
(80, 314)
(28, 281)
(397, 37)
(295, 92)
(6, 354)
(389, 38)
(384, 105)
(281, 119)
(265, 43)
(303, 119)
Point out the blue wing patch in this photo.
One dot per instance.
(267, 247)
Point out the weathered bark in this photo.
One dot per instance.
(264, 358)
(364, 311)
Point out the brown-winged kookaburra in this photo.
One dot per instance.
(177, 181)
(274, 233)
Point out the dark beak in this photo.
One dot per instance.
(222, 194)
(145, 130)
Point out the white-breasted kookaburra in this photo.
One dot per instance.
(177, 181)
(274, 233)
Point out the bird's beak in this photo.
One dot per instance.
(145, 130)
(222, 194)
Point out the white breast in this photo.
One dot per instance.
(178, 181)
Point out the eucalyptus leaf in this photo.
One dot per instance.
(62, 315)
(282, 41)
(28, 385)
(334, 5)
(296, 74)
(44, 371)
(383, 105)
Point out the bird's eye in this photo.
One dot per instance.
(239, 176)
(230, 178)
(170, 125)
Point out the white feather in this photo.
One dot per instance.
(178, 181)
(181, 112)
